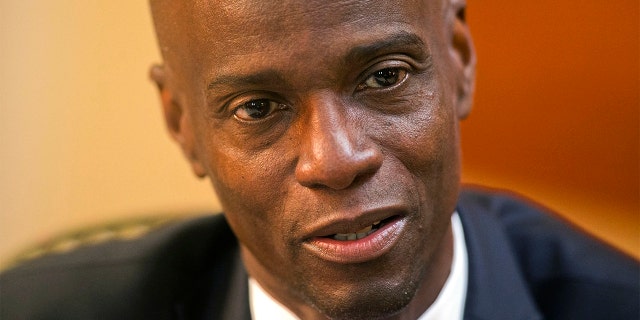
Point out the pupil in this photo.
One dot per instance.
(257, 108)
(386, 77)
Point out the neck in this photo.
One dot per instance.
(433, 281)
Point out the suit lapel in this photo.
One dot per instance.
(496, 289)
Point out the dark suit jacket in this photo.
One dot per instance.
(523, 264)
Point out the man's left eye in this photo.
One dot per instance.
(384, 78)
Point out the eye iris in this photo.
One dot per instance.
(386, 77)
(257, 109)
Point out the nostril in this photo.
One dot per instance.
(338, 172)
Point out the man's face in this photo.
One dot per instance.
(319, 122)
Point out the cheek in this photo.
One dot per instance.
(425, 142)
(249, 180)
(249, 186)
(425, 137)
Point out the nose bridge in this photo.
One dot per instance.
(329, 132)
(334, 149)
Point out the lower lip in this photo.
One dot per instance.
(356, 251)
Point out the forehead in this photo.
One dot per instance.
(279, 15)
(259, 16)
(219, 34)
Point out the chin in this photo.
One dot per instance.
(365, 301)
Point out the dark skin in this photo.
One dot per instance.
(316, 118)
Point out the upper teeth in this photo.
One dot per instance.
(358, 234)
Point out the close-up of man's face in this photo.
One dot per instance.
(334, 166)
(329, 131)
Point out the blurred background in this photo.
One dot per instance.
(556, 116)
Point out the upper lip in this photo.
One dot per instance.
(347, 222)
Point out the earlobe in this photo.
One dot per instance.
(464, 58)
(176, 119)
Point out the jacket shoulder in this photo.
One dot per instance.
(571, 274)
(138, 270)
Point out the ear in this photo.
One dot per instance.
(177, 119)
(464, 58)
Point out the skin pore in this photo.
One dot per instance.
(319, 118)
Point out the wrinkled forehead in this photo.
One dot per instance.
(235, 20)
(282, 8)
(199, 38)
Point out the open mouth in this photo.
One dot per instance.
(359, 234)
(355, 243)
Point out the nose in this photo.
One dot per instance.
(335, 150)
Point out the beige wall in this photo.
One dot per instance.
(81, 136)
(82, 141)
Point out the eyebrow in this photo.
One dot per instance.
(264, 76)
(403, 40)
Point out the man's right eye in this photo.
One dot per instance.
(257, 109)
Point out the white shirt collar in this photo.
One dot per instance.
(264, 307)
(450, 302)
(448, 305)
